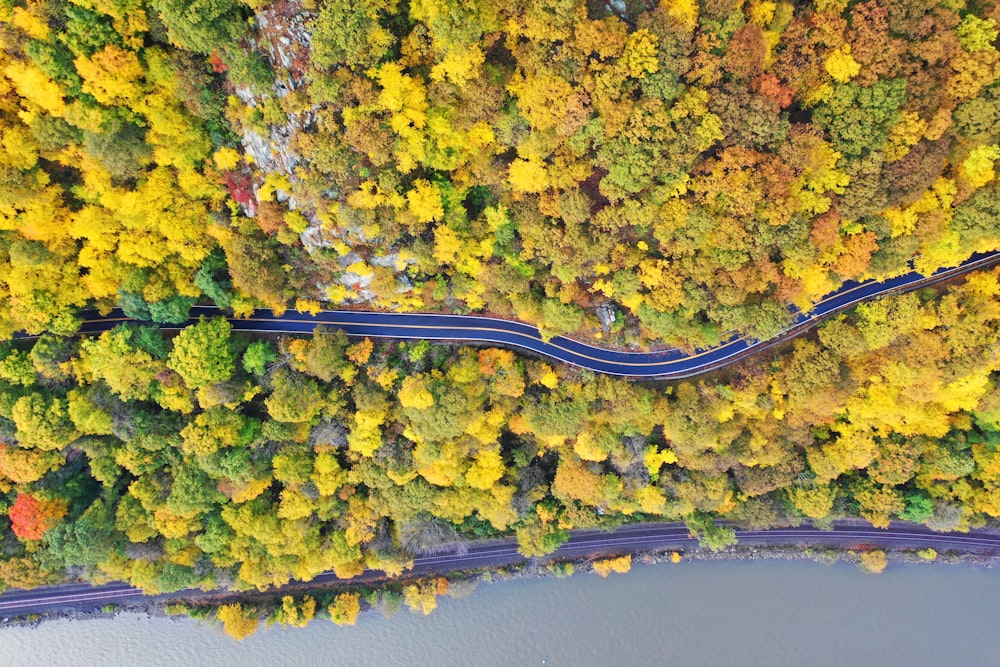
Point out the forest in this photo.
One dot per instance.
(213, 459)
(637, 173)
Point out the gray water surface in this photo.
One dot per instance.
(709, 613)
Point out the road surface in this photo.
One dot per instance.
(670, 364)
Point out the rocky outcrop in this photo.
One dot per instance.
(282, 36)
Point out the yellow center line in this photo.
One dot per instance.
(503, 331)
(309, 319)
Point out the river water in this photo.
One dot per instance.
(701, 613)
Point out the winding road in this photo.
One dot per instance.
(582, 543)
(669, 364)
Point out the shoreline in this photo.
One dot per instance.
(464, 582)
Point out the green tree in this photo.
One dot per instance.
(859, 118)
(202, 354)
(216, 428)
(86, 541)
(118, 358)
(192, 491)
(708, 533)
(86, 412)
(17, 368)
(324, 357)
(350, 33)
(257, 356)
(120, 148)
(203, 25)
(537, 538)
(294, 397)
(51, 355)
(43, 421)
(561, 318)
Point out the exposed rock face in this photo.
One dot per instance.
(283, 37)
(606, 314)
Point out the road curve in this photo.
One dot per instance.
(667, 364)
(635, 538)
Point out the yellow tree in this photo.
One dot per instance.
(113, 76)
(621, 565)
(237, 622)
(345, 609)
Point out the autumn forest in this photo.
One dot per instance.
(637, 174)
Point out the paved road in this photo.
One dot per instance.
(501, 553)
(667, 364)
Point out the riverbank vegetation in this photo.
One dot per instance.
(213, 459)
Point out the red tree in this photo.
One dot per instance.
(31, 517)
